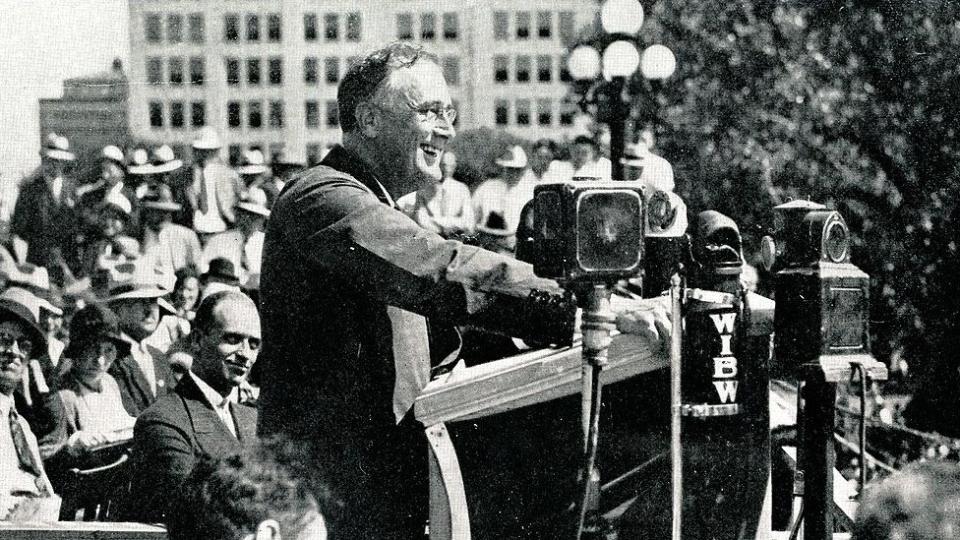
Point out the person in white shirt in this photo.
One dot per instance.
(242, 245)
(497, 202)
(444, 207)
(641, 164)
(587, 161)
(165, 245)
(215, 188)
(544, 165)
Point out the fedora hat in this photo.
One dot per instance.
(207, 139)
(58, 148)
(160, 198)
(164, 161)
(36, 280)
(140, 163)
(221, 270)
(136, 280)
(513, 158)
(23, 306)
(112, 153)
(92, 324)
(254, 202)
(253, 163)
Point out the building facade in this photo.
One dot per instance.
(265, 73)
(92, 112)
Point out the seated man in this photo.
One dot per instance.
(21, 469)
(202, 417)
(248, 496)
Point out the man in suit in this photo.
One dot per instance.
(202, 417)
(135, 295)
(355, 295)
(214, 189)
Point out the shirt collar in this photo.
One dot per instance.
(211, 396)
(6, 403)
(135, 344)
(346, 161)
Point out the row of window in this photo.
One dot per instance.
(523, 72)
(176, 68)
(176, 114)
(331, 27)
(252, 27)
(255, 110)
(523, 25)
(254, 70)
(523, 113)
(450, 26)
(153, 28)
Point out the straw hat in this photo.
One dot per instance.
(112, 153)
(140, 163)
(207, 139)
(164, 161)
(253, 163)
(117, 203)
(58, 148)
(135, 280)
(24, 306)
(36, 280)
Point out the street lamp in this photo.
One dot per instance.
(621, 21)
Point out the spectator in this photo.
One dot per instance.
(114, 216)
(221, 275)
(43, 217)
(249, 495)
(186, 294)
(202, 418)
(444, 207)
(110, 183)
(642, 165)
(544, 165)
(166, 245)
(214, 188)
(136, 297)
(50, 316)
(242, 245)
(920, 502)
(587, 161)
(498, 202)
(254, 177)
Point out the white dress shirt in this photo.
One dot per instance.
(12, 477)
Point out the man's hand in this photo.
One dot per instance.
(82, 441)
(649, 319)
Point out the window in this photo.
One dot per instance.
(195, 27)
(544, 68)
(233, 71)
(314, 154)
(156, 114)
(500, 67)
(428, 26)
(197, 70)
(176, 115)
(404, 26)
(501, 112)
(253, 27)
(155, 70)
(312, 114)
(567, 112)
(231, 27)
(564, 72)
(235, 155)
(310, 27)
(544, 112)
(331, 69)
(523, 24)
(310, 70)
(354, 26)
(451, 70)
(331, 27)
(501, 25)
(544, 24)
(276, 114)
(523, 112)
(233, 114)
(198, 114)
(253, 71)
(275, 71)
(333, 120)
(175, 67)
(523, 68)
(174, 28)
(567, 30)
(451, 26)
(152, 28)
(273, 27)
(254, 114)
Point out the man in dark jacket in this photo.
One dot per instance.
(355, 294)
(202, 417)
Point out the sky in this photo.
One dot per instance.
(43, 42)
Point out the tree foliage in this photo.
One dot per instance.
(849, 103)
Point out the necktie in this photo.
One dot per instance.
(202, 203)
(27, 461)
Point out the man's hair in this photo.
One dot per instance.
(227, 498)
(364, 78)
(920, 502)
(205, 317)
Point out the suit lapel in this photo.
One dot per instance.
(212, 436)
(245, 420)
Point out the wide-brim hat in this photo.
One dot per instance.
(513, 158)
(58, 148)
(93, 323)
(112, 153)
(117, 203)
(24, 306)
(140, 163)
(207, 139)
(135, 281)
(164, 160)
(253, 163)
(252, 169)
(221, 270)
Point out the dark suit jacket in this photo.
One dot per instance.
(134, 388)
(170, 437)
(44, 224)
(347, 281)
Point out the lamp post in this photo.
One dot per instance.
(607, 73)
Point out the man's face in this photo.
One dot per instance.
(227, 351)
(408, 138)
(110, 172)
(138, 317)
(15, 349)
(582, 153)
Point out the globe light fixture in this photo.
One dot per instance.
(584, 63)
(657, 62)
(620, 59)
(621, 16)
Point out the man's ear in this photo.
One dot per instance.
(268, 529)
(368, 119)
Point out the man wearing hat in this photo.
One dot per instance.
(108, 239)
(587, 161)
(21, 468)
(43, 216)
(213, 189)
(255, 177)
(243, 244)
(164, 244)
(136, 296)
(498, 202)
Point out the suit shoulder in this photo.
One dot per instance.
(168, 409)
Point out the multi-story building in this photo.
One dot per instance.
(92, 112)
(265, 73)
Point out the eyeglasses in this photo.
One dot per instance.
(24, 343)
(433, 111)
